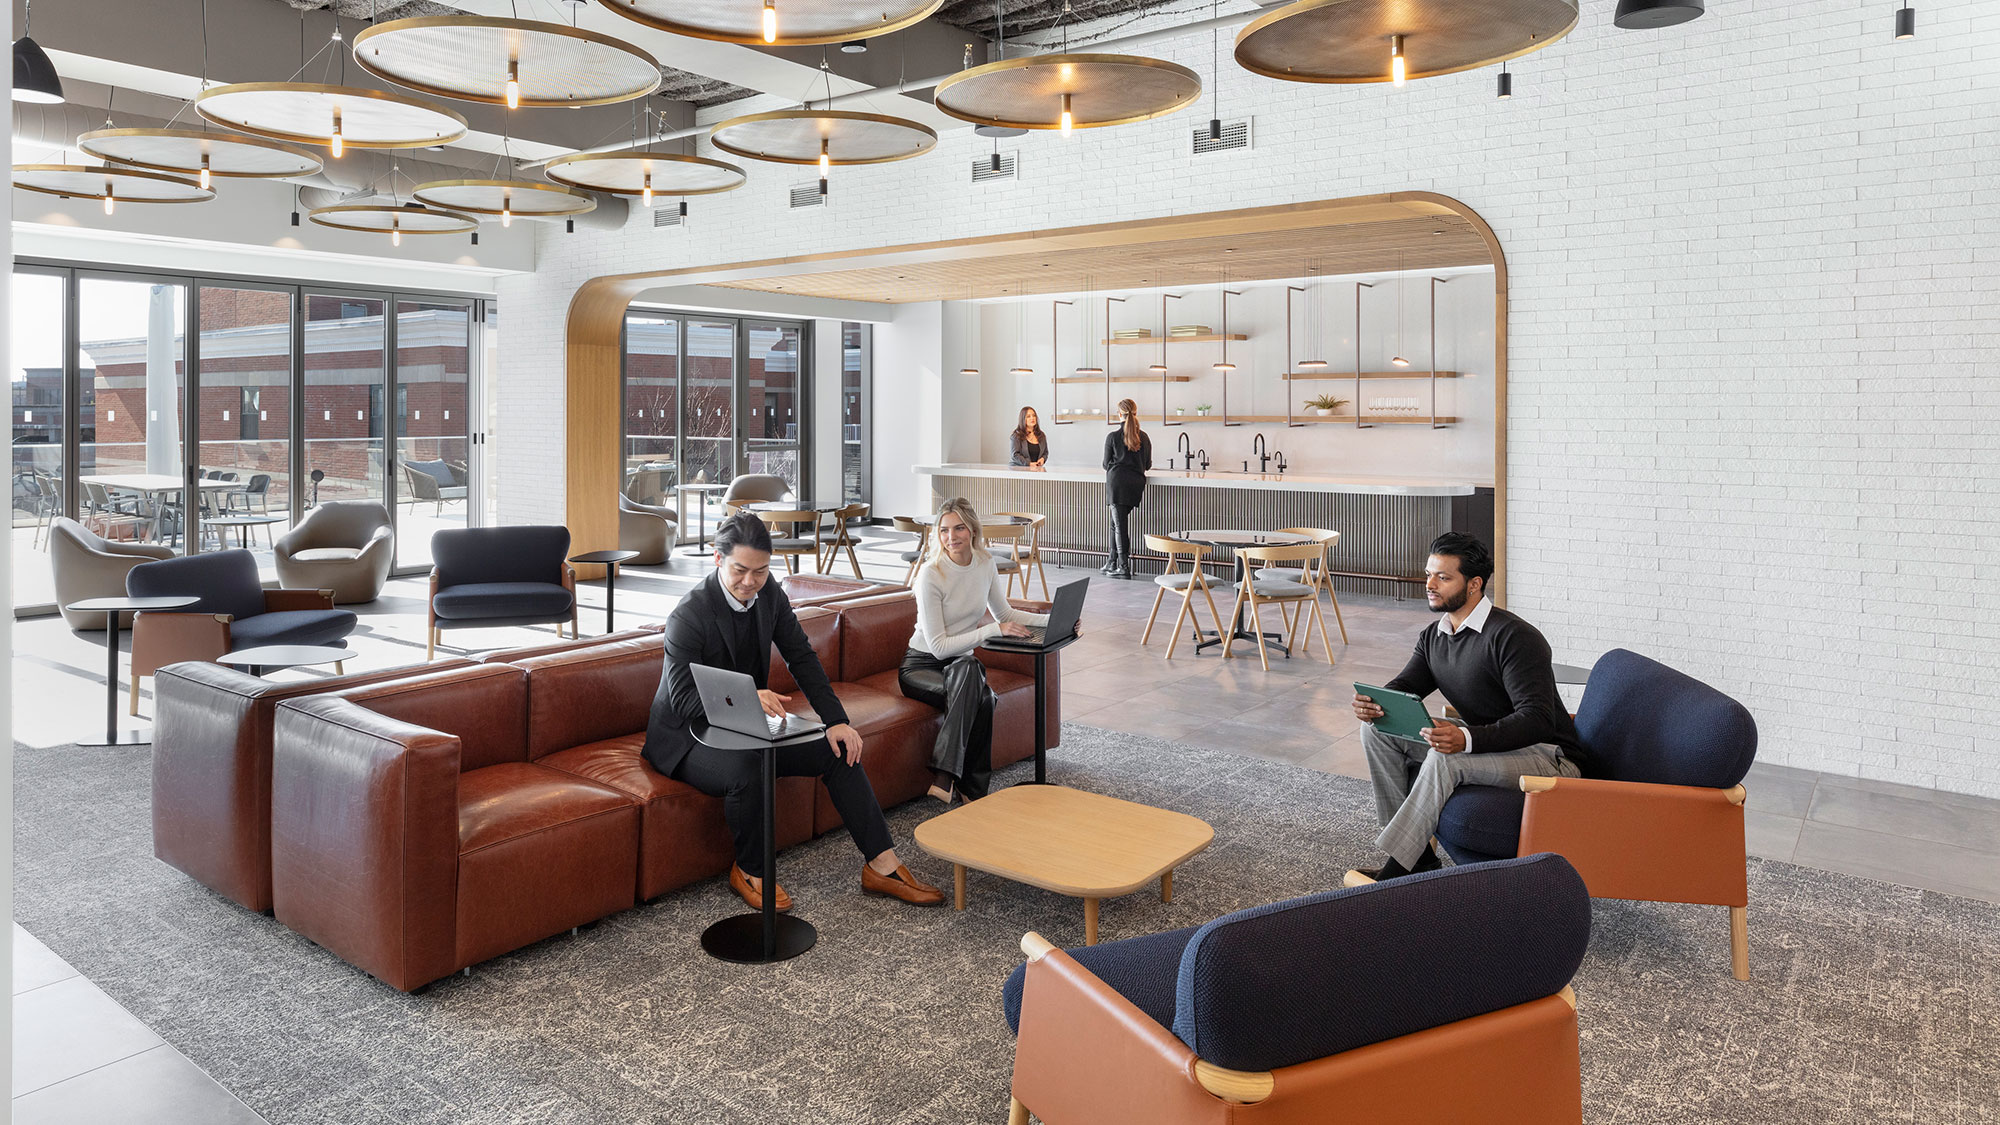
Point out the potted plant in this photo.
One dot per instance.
(1324, 405)
(1180, 410)
(1202, 410)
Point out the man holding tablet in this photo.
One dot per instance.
(1495, 669)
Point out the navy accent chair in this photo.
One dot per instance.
(235, 612)
(489, 576)
(1322, 1008)
(1658, 818)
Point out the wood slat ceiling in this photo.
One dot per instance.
(1421, 242)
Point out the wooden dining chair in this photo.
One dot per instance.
(1187, 582)
(914, 557)
(1030, 557)
(841, 539)
(1315, 573)
(788, 540)
(1004, 540)
(1257, 592)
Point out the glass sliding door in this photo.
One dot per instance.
(433, 423)
(772, 401)
(344, 413)
(708, 401)
(131, 377)
(243, 372)
(856, 379)
(652, 408)
(39, 479)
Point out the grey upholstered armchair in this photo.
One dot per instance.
(751, 488)
(345, 546)
(649, 529)
(87, 565)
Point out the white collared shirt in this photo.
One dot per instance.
(740, 607)
(1475, 621)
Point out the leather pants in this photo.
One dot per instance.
(1121, 541)
(964, 747)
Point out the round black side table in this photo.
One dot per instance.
(111, 608)
(609, 560)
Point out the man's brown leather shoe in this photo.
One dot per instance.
(902, 885)
(740, 883)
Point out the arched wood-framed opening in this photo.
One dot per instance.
(1362, 231)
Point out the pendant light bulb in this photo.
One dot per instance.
(110, 204)
(513, 84)
(337, 146)
(770, 22)
(1397, 70)
(825, 159)
(647, 194)
(204, 171)
(1068, 118)
(395, 232)
(507, 210)
(1399, 361)
(1906, 22)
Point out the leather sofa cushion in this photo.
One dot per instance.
(475, 600)
(484, 705)
(514, 799)
(590, 694)
(875, 704)
(822, 628)
(292, 627)
(654, 631)
(874, 634)
(899, 733)
(326, 554)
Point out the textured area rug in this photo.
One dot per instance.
(1869, 1002)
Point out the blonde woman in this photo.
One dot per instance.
(1128, 453)
(957, 586)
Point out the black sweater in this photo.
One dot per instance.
(1125, 469)
(1500, 679)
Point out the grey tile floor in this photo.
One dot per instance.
(79, 1057)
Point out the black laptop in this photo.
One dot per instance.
(1062, 621)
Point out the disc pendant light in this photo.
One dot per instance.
(196, 153)
(392, 220)
(508, 62)
(334, 117)
(1355, 41)
(823, 137)
(1068, 90)
(780, 22)
(507, 199)
(645, 174)
(111, 183)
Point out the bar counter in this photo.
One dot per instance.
(1386, 523)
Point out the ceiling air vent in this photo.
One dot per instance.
(1235, 134)
(667, 216)
(807, 195)
(983, 170)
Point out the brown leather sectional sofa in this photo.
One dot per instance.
(421, 820)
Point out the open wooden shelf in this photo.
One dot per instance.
(1212, 339)
(1124, 378)
(1313, 376)
(1278, 419)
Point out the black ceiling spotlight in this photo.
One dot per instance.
(569, 226)
(1906, 28)
(1506, 83)
(475, 238)
(684, 208)
(35, 77)
(993, 162)
(295, 218)
(854, 47)
(1640, 15)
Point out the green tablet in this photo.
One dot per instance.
(1403, 714)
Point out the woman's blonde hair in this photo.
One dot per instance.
(962, 508)
(1130, 410)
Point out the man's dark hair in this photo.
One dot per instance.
(1474, 560)
(746, 530)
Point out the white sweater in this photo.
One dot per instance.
(951, 601)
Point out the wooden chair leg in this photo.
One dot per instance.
(1187, 607)
(1017, 1114)
(1739, 941)
(134, 694)
(430, 643)
(1223, 633)
(1158, 597)
(340, 667)
(851, 560)
(1257, 627)
(1044, 572)
(1320, 619)
(1336, 609)
(1212, 615)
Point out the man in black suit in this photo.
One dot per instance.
(730, 621)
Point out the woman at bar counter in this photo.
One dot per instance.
(1128, 453)
(958, 584)
(1031, 446)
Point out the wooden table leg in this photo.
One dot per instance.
(1167, 887)
(1090, 921)
(958, 886)
(1017, 1114)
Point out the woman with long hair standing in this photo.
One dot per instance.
(958, 585)
(1031, 446)
(1128, 453)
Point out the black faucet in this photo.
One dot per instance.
(1263, 459)
(1203, 454)
(1279, 457)
(1185, 445)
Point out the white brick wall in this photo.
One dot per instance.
(1753, 347)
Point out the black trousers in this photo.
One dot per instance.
(738, 778)
(1121, 532)
(964, 747)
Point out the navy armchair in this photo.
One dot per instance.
(1659, 817)
(1322, 1008)
(490, 576)
(235, 611)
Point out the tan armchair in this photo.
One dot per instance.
(650, 529)
(87, 565)
(345, 546)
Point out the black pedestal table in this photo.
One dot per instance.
(111, 608)
(609, 560)
(765, 936)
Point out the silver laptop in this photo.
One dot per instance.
(730, 701)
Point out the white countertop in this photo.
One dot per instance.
(1177, 478)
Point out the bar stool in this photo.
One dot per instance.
(916, 557)
(786, 540)
(1317, 574)
(1187, 582)
(841, 539)
(1257, 591)
(1032, 556)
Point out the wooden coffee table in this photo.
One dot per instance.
(1075, 843)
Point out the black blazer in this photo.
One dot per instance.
(1028, 450)
(700, 632)
(1125, 469)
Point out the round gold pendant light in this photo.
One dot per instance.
(382, 218)
(778, 22)
(335, 117)
(1388, 40)
(645, 174)
(506, 61)
(111, 183)
(507, 199)
(824, 137)
(1068, 90)
(195, 153)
